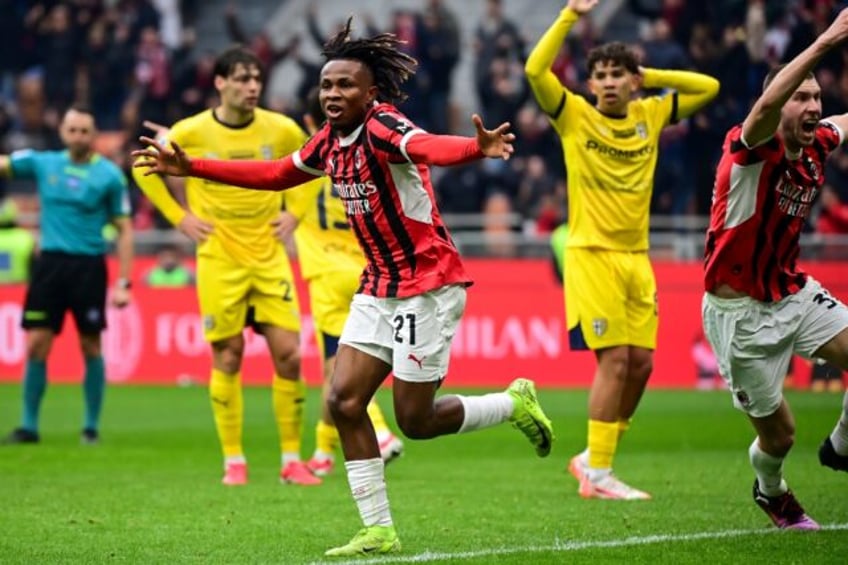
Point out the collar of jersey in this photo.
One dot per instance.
(351, 137)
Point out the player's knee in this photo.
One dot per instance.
(37, 351)
(641, 367)
(38, 347)
(413, 425)
(344, 407)
(614, 363)
(228, 355)
(90, 346)
(288, 362)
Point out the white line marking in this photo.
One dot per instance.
(564, 546)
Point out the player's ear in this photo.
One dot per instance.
(372, 94)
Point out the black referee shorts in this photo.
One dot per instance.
(62, 282)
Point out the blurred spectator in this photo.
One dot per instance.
(170, 270)
(499, 68)
(438, 56)
(17, 246)
(153, 76)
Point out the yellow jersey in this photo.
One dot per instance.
(241, 218)
(610, 163)
(325, 242)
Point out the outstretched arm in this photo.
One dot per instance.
(694, 90)
(259, 175)
(764, 117)
(445, 150)
(546, 86)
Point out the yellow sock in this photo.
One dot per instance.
(228, 410)
(603, 439)
(326, 438)
(288, 397)
(377, 418)
(623, 426)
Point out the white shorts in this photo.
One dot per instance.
(754, 341)
(412, 334)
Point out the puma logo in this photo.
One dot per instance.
(222, 402)
(419, 362)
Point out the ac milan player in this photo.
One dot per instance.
(412, 291)
(760, 307)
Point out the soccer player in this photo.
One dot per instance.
(760, 307)
(610, 151)
(331, 263)
(80, 193)
(412, 291)
(243, 273)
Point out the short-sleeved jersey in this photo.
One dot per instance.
(610, 163)
(761, 200)
(241, 218)
(389, 203)
(325, 242)
(77, 199)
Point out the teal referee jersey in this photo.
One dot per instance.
(77, 199)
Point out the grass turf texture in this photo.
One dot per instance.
(151, 492)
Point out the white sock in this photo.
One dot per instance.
(368, 487)
(320, 455)
(234, 460)
(289, 457)
(485, 411)
(769, 470)
(839, 437)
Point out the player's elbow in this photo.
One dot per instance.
(713, 87)
(533, 70)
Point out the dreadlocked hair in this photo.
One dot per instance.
(390, 66)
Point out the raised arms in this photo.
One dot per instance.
(763, 119)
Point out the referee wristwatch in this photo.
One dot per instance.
(124, 284)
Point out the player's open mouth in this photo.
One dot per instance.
(809, 126)
(332, 111)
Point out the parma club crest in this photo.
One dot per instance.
(599, 326)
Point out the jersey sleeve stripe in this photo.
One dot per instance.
(674, 108)
(836, 128)
(298, 162)
(560, 107)
(405, 140)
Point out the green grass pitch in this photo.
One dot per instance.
(150, 493)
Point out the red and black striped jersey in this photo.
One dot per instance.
(389, 202)
(761, 201)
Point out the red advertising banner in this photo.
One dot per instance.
(513, 326)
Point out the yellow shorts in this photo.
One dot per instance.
(330, 296)
(228, 291)
(610, 298)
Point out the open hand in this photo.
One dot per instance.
(158, 158)
(582, 7)
(496, 142)
(161, 132)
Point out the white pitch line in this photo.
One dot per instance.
(561, 546)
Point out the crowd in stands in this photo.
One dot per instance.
(136, 59)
